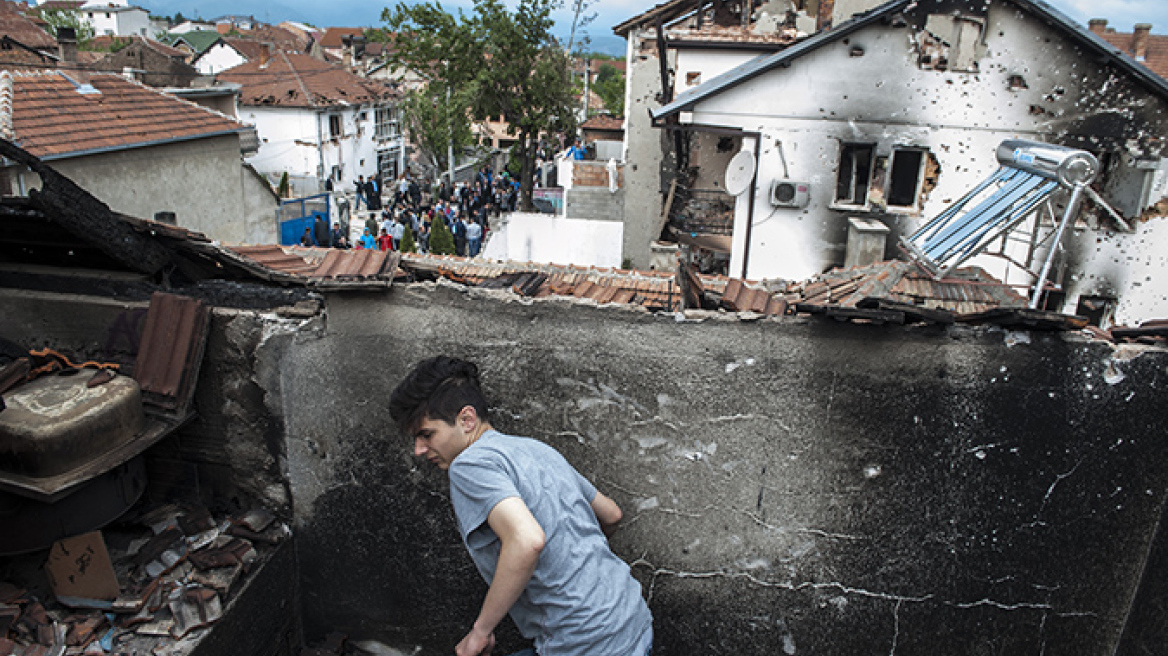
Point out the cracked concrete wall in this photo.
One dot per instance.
(799, 487)
(648, 153)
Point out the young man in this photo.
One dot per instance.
(535, 528)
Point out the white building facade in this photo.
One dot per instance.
(116, 19)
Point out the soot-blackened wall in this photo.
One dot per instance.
(794, 487)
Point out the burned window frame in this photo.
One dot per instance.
(935, 54)
(848, 161)
(336, 124)
(919, 176)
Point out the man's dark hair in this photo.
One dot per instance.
(437, 388)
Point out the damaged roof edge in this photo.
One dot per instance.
(765, 63)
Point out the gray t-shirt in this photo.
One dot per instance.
(581, 599)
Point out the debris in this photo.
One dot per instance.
(80, 572)
(193, 609)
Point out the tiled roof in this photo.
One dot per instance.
(332, 36)
(249, 48)
(15, 56)
(52, 116)
(653, 290)
(604, 122)
(1156, 57)
(966, 291)
(107, 43)
(292, 80)
(855, 293)
(722, 34)
(284, 39)
(322, 265)
(16, 26)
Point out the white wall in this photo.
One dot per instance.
(830, 96)
(289, 138)
(118, 22)
(548, 238)
(217, 58)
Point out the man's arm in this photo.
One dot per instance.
(522, 541)
(607, 513)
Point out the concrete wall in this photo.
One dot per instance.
(645, 147)
(794, 487)
(202, 182)
(527, 237)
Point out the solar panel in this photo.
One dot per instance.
(999, 203)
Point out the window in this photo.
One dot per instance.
(855, 174)
(388, 126)
(904, 177)
(949, 42)
(335, 131)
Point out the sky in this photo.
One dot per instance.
(1121, 14)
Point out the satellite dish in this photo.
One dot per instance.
(739, 173)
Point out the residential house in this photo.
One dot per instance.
(140, 151)
(604, 133)
(1149, 49)
(116, 18)
(224, 24)
(193, 43)
(317, 121)
(669, 48)
(189, 26)
(332, 41)
(16, 26)
(223, 54)
(151, 62)
(896, 113)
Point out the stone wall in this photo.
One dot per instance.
(790, 487)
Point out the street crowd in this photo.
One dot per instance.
(464, 209)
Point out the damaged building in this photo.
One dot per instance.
(869, 461)
(880, 123)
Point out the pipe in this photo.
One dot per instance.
(1072, 208)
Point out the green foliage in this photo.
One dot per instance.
(437, 121)
(407, 241)
(282, 190)
(610, 86)
(441, 241)
(502, 63)
(58, 17)
(178, 18)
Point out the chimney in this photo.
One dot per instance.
(1140, 41)
(358, 48)
(265, 54)
(1097, 25)
(347, 51)
(67, 44)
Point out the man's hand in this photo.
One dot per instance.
(476, 644)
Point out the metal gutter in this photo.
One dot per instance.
(144, 144)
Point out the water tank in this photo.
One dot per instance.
(1069, 166)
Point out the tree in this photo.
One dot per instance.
(179, 18)
(59, 17)
(407, 241)
(507, 63)
(610, 86)
(437, 122)
(441, 241)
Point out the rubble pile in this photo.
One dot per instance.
(147, 588)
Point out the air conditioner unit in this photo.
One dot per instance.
(785, 193)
